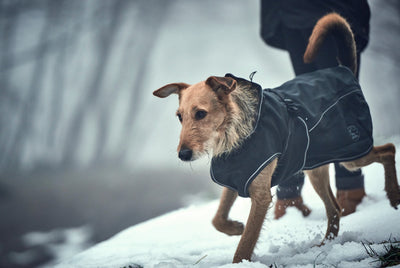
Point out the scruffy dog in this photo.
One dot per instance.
(260, 137)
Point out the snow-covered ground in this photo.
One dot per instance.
(186, 237)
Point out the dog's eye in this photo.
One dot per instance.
(179, 117)
(200, 115)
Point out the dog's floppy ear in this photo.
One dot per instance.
(167, 90)
(221, 85)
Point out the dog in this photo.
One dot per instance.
(259, 137)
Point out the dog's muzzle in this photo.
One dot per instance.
(185, 154)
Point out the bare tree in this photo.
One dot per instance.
(102, 21)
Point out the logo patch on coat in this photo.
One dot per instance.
(353, 132)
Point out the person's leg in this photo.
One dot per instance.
(326, 57)
(289, 195)
(350, 185)
(350, 189)
(286, 189)
(296, 43)
(289, 192)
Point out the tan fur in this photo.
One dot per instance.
(385, 155)
(196, 135)
(319, 178)
(221, 221)
(229, 120)
(261, 198)
(240, 123)
(339, 28)
(230, 114)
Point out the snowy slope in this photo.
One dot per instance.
(186, 237)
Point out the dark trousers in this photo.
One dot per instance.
(296, 41)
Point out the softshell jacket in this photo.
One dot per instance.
(303, 14)
(314, 119)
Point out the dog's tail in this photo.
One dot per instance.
(340, 29)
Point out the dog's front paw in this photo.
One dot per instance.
(228, 227)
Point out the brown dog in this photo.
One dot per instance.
(221, 116)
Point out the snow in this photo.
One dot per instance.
(186, 237)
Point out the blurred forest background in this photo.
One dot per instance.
(85, 145)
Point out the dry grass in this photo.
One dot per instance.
(391, 255)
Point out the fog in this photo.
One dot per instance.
(83, 142)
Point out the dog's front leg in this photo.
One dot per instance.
(260, 194)
(220, 220)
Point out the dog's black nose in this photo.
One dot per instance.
(185, 154)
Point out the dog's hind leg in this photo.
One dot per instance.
(319, 178)
(221, 221)
(385, 155)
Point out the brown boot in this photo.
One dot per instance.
(282, 204)
(349, 199)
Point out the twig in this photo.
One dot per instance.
(200, 259)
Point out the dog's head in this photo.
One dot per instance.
(203, 112)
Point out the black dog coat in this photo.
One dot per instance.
(314, 119)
